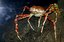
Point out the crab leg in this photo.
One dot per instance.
(29, 16)
(39, 21)
(46, 15)
(19, 17)
(56, 12)
(55, 9)
(54, 23)
(16, 28)
(49, 7)
(54, 26)
(41, 16)
(29, 21)
(25, 7)
(22, 16)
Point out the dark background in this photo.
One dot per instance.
(7, 15)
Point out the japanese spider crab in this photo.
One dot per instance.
(38, 11)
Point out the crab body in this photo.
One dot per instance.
(37, 11)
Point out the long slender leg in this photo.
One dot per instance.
(55, 30)
(49, 7)
(39, 21)
(16, 28)
(54, 25)
(44, 23)
(19, 17)
(56, 12)
(29, 21)
(46, 15)
(54, 8)
(25, 7)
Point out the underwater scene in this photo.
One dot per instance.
(31, 20)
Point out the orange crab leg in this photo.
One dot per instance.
(16, 28)
(22, 16)
(46, 16)
(49, 7)
(26, 7)
(19, 17)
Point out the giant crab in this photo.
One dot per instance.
(38, 11)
